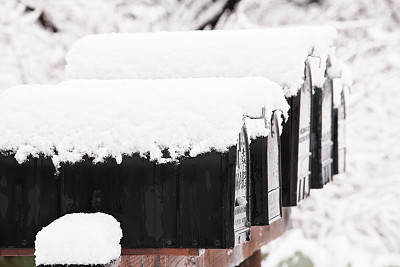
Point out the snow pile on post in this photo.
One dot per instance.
(121, 117)
(80, 238)
(276, 54)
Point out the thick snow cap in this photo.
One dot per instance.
(278, 54)
(80, 238)
(121, 117)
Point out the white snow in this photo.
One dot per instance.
(276, 54)
(113, 118)
(79, 238)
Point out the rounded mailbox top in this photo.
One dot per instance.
(112, 118)
(277, 54)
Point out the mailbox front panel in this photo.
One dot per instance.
(326, 133)
(342, 135)
(296, 145)
(242, 206)
(303, 169)
(274, 172)
(322, 157)
(241, 186)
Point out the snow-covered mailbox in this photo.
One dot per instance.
(325, 145)
(341, 82)
(339, 140)
(169, 159)
(322, 133)
(278, 54)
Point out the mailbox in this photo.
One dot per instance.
(339, 140)
(266, 202)
(322, 135)
(295, 145)
(214, 198)
(200, 202)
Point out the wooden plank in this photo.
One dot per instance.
(260, 236)
(124, 251)
(17, 251)
(161, 251)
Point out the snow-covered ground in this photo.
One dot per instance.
(353, 221)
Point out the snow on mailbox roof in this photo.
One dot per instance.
(79, 238)
(121, 117)
(278, 54)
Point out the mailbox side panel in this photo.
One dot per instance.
(138, 193)
(316, 173)
(342, 134)
(149, 203)
(259, 180)
(289, 153)
(28, 200)
(17, 202)
(201, 189)
(47, 193)
(214, 204)
(335, 142)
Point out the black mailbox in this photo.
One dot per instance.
(339, 133)
(295, 145)
(266, 201)
(200, 202)
(28, 200)
(322, 134)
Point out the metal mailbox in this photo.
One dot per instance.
(266, 180)
(215, 198)
(339, 132)
(200, 202)
(322, 135)
(296, 145)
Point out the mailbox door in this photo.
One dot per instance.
(296, 146)
(274, 172)
(342, 135)
(242, 191)
(322, 136)
(326, 132)
(304, 145)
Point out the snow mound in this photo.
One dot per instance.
(80, 238)
(121, 117)
(276, 54)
